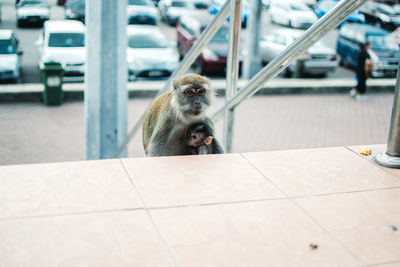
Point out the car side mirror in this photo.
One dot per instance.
(20, 52)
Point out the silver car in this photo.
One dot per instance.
(32, 12)
(10, 56)
(150, 55)
(318, 60)
(171, 10)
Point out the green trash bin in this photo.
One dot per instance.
(52, 78)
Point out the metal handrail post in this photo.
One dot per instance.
(325, 24)
(232, 72)
(391, 158)
(187, 61)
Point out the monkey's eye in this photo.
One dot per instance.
(201, 91)
(193, 136)
(189, 92)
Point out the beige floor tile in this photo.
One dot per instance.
(191, 180)
(60, 188)
(368, 223)
(391, 264)
(103, 239)
(376, 149)
(262, 233)
(320, 171)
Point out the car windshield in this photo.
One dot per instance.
(178, 4)
(139, 2)
(6, 47)
(33, 3)
(142, 40)
(382, 42)
(77, 5)
(298, 6)
(221, 36)
(66, 40)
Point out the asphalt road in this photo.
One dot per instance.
(28, 37)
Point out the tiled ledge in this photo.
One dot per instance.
(315, 207)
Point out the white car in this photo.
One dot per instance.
(318, 60)
(172, 10)
(292, 13)
(63, 41)
(32, 12)
(142, 12)
(150, 54)
(10, 56)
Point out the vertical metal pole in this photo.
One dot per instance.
(232, 70)
(392, 156)
(106, 77)
(252, 62)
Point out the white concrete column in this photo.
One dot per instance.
(106, 77)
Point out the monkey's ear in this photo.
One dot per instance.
(175, 84)
(208, 140)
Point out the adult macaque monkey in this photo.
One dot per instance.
(165, 123)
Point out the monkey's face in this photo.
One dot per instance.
(192, 95)
(193, 100)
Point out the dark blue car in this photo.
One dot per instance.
(384, 52)
(324, 6)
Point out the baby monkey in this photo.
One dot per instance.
(200, 140)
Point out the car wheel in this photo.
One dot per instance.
(271, 19)
(179, 51)
(244, 23)
(287, 73)
(290, 24)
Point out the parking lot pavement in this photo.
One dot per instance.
(34, 133)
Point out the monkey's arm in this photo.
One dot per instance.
(159, 139)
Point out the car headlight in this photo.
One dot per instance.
(209, 54)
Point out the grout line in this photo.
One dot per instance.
(304, 211)
(149, 216)
(384, 263)
(383, 168)
(346, 192)
(215, 203)
(69, 214)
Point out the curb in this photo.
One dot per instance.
(33, 91)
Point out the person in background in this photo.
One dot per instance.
(362, 72)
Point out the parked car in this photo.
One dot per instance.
(379, 14)
(323, 6)
(212, 59)
(171, 10)
(384, 53)
(75, 9)
(150, 54)
(318, 60)
(291, 13)
(142, 12)
(32, 12)
(216, 5)
(10, 56)
(64, 41)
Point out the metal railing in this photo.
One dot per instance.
(319, 29)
